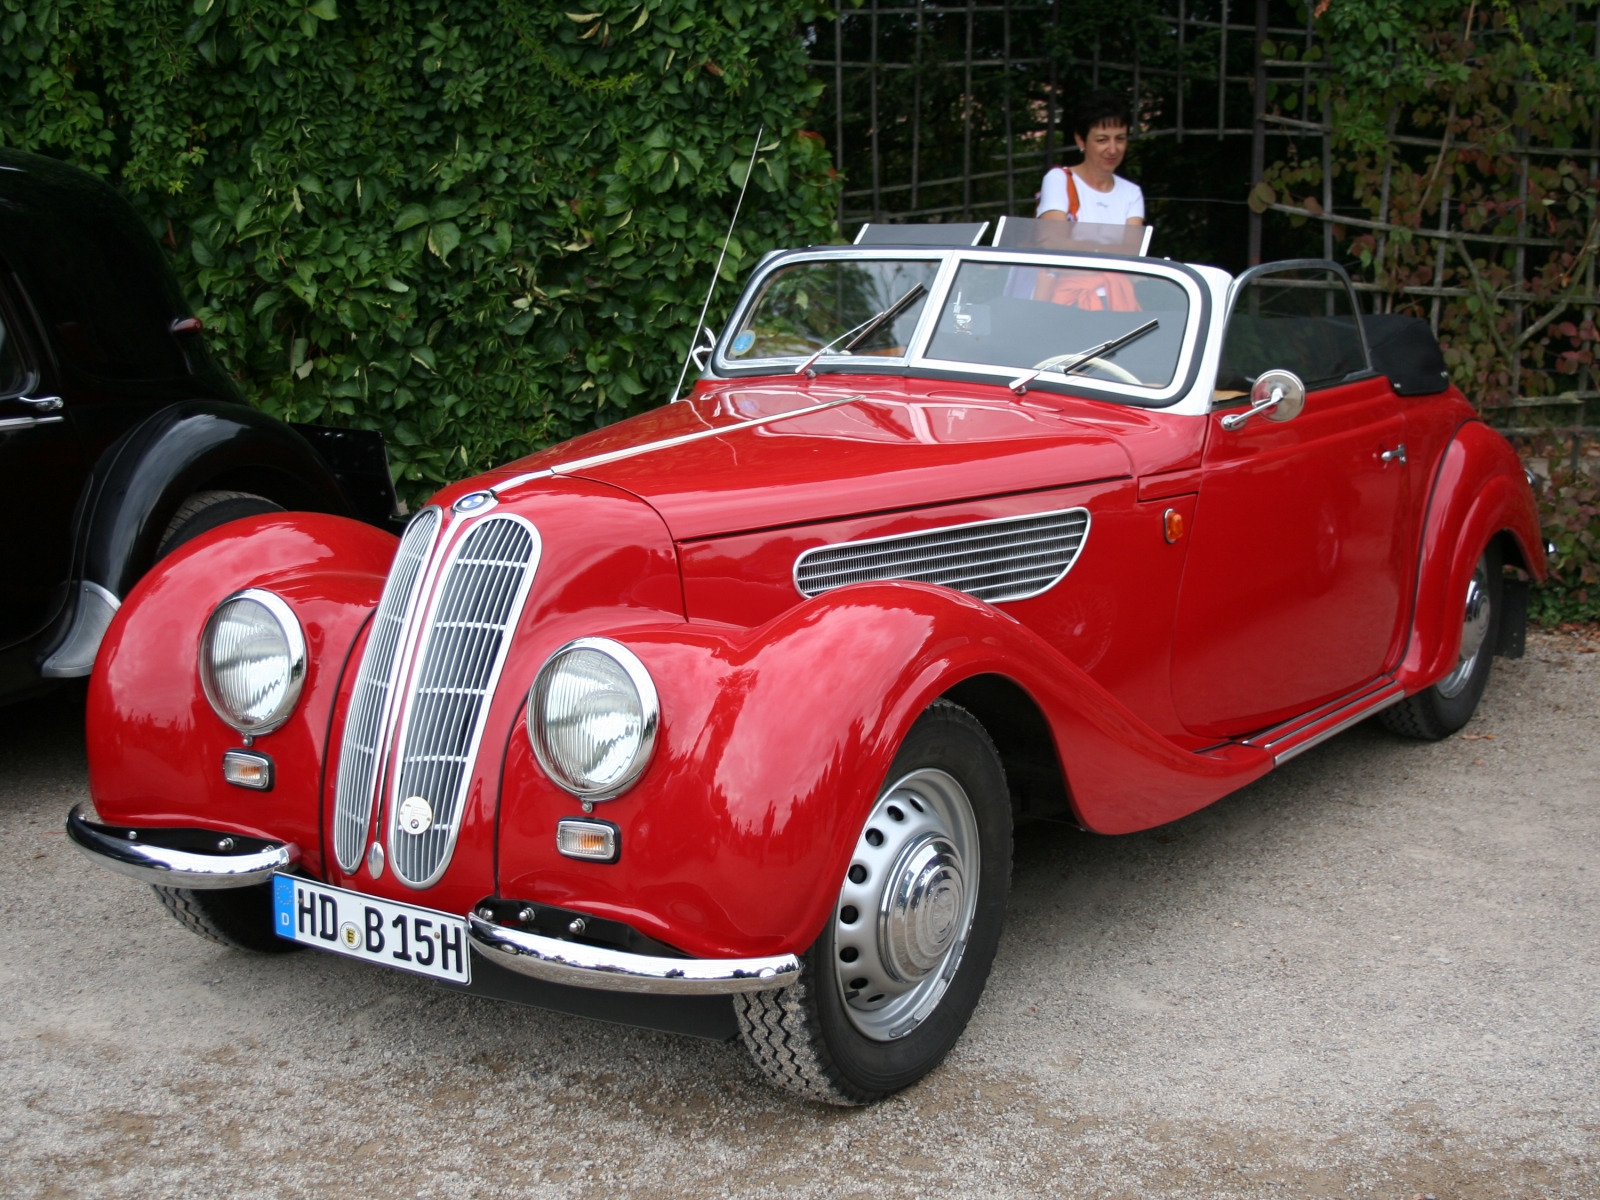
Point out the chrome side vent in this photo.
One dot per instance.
(364, 723)
(1009, 559)
(463, 648)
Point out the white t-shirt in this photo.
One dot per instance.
(1124, 200)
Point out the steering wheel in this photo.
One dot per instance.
(1119, 373)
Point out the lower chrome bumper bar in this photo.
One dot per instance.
(181, 858)
(582, 965)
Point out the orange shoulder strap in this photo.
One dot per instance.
(1072, 194)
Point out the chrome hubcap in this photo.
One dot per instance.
(1474, 629)
(906, 906)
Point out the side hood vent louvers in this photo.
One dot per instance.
(1009, 559)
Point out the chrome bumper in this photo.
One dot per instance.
(581, 965)
(181, 858)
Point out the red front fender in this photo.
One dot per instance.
(1480, 491)
(155, 745)
(775, 742)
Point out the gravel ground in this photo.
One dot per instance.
(1371, 974)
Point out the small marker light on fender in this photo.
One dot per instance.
(596, 841)
(1172, 525)
(247, 769)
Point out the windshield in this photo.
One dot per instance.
(1022, 317)
(803, 308)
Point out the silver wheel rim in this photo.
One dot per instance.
(906, 907)
(1474, 629)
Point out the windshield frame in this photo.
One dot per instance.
(916, 364)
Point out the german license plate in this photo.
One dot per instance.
(377, 931)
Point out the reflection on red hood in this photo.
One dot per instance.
(904, 444)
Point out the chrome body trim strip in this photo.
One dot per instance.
(682, 439)
(580, 965)
(8, 423)
(145, 859)
(1296, 736)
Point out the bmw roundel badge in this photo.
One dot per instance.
(472, 502)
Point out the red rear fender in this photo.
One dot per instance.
(156, 746)
(1480, 491)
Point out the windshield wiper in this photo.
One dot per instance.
(867, 328)
(1067, 363)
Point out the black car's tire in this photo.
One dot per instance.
(240, 918)
(1440, 710)
(204, 511)
(827, 1040)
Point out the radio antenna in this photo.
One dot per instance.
(717, 274)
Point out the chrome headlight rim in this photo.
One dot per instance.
(294, 638)
(650, 713)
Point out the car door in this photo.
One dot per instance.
(41, 472)
(1294, 586)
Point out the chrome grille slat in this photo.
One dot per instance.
(482, 589)
(1009, 559)
(359, 754)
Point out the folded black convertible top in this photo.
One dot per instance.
(1404, 349)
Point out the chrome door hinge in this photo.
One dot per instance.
(1398, 454)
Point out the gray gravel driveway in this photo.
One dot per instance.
(1373, 973)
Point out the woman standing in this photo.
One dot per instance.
(1092, 190)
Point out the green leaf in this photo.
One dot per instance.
(444, 208)
(411, 214)
(443, 238)
(326, 10)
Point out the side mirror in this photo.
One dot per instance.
(1277, 395)
(701, 351)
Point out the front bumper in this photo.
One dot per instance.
(582, 965)
(180, 858)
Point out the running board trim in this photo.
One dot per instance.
(1298, 735)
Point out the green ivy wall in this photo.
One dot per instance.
(477, 226)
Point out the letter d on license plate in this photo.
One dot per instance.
(376, 931)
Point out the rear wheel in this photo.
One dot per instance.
(890, 984)
(237, 917)
(1440, 710)
(204, 511)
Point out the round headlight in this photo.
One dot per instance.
(253, 661)
(592, 718)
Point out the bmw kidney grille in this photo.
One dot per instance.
(461, 651)
(363, 727)
(1009, 559)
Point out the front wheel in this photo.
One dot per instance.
(1440, 710)
(890, 984)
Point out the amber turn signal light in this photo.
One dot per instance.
(597, 841)
(247, 769)
(1172, 524)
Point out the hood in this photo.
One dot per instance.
(903, 444)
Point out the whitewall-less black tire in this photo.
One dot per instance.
(893, 979)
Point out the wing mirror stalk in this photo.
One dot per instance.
(1279, 395)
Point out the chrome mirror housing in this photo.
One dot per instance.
(1276, 395)
(1291, 395)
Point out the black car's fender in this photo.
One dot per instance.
(141, 481)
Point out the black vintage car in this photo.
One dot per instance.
(120, 437)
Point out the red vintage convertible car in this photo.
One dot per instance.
(720, 719)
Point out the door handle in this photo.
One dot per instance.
(1398, 454)
(41, 403)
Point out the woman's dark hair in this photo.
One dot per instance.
(1099, 108)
